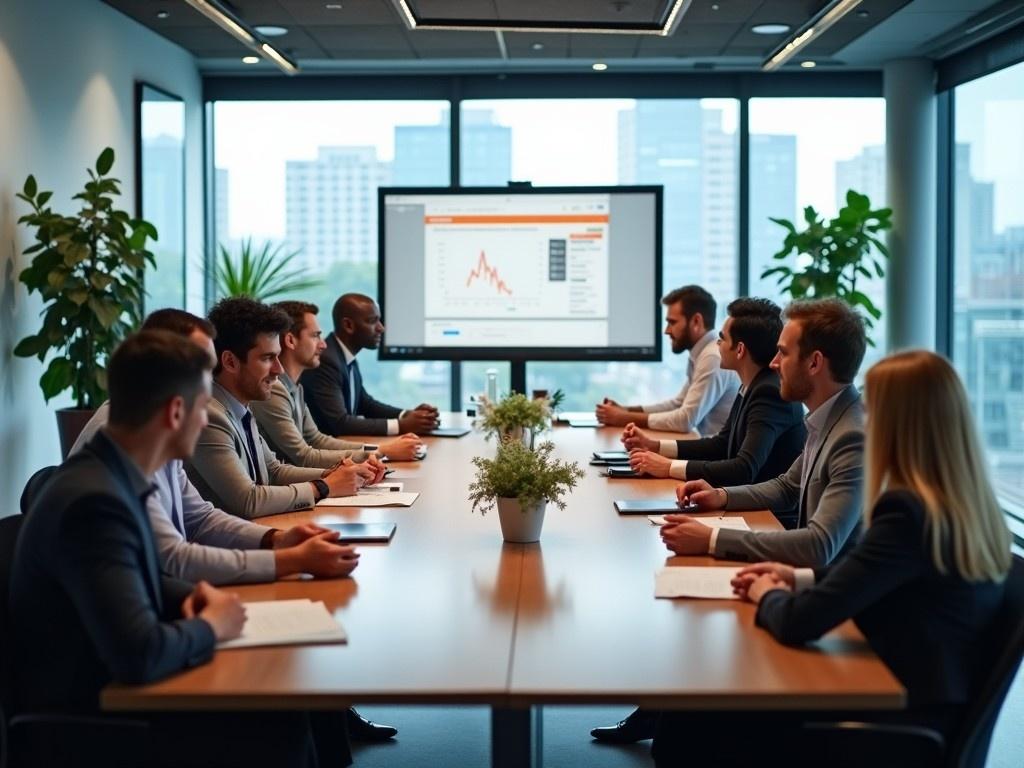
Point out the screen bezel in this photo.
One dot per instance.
(528, 354)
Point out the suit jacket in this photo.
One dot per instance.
(760, 440)
(923, 624)
(326, 388)
(219, 468)
(288, 427)
(829, 506)
(89, 605)
(195, 540)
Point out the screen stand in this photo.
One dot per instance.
(518, 374)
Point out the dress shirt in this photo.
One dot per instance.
(195, 540)
(704, 402)
(670, 449)
(288, 427)
(352, 401)
(815, 422)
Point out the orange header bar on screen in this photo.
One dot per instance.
(528, 218)
(586, 236)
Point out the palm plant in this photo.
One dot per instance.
(259, 272)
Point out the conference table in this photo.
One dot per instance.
(446, 613)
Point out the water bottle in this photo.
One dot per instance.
(492, 385)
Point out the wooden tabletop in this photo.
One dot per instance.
(448, 613)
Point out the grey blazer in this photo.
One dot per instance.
(219, 468)
(830, 506)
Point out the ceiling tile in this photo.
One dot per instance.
(362, 12)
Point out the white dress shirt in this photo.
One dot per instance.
(349, 357)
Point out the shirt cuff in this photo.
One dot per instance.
(668, 448)
(677, 469)
(713, 541)
(393, 426)
(803, 578)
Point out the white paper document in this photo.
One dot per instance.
(711, 583)
(735, 522)
(287, 622)
(382, 488)
(382, 499)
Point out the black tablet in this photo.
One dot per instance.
(362, 533)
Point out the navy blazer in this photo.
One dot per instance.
(760, 440)
(926, 626)
(326, 388)
(88, 602)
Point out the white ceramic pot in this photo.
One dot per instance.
(522, 434)
(518, 525)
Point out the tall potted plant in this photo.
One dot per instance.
(515, 417)
(87, 267)
(259, 272)
(839, 252)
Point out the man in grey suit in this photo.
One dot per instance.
(285, 421)
(819, 351)
(232, 465)
(196, 541)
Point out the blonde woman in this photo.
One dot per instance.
(926, 578)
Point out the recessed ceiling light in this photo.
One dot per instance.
(250, 59)
(769, 29)
(333, 6)
(163, 14)
(714, 7)
(808, 64)
(538, 46)
(271, 30)
(863, 14)
(599, 66)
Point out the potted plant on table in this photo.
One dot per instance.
(515, 417)
(521, 483)
(88, 268)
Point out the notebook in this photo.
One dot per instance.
(380, 499)
(287, 622)
(735, 522)
(712, 583)
(362, 533)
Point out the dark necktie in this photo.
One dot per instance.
(352, 398)
(254, 467)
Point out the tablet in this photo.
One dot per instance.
(621, 470)
(612, 457)
(362, 533)
(652, 507)
(449, 432)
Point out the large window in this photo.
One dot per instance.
(304, 175)
(688, 145)
(810, 152)
(988, 279)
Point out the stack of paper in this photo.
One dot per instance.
(710, 583)
(372, 499)
(734, 521)
(287, 622)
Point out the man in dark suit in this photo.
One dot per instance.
(89, 604)
(334, 391)
(763, 434)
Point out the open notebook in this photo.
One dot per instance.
(287, 622)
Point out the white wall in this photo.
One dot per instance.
(67, 74)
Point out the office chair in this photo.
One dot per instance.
(75, 741)
(33, 487)
(884, 744)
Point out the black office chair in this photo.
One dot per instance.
(880, 745)
(33, 487)
(71, 741)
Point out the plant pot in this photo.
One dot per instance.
(518, 525)
(70, 423)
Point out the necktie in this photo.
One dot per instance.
(254, 466)
(352, 388)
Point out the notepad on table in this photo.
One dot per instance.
(735, 522)
(287, 622)
(712, 583)
(381, 499)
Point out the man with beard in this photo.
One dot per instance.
(702, 406)
(336, 397)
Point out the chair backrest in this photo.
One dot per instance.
(34, 486)
(1003, 648)
(9, 528)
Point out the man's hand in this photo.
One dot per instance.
(374, 464)
(427, 407)
(419, 420)
(223, 611)
(752, 582)
(613, 415)
(320, 556)
(686, 536)
(701, 493)
(347, 478)
(649, 463)
(402, 448)
(298, 534)
(634, 439)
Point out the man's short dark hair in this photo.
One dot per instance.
(178, 321)
(240, 321)
(149, 368)
(346, 306)
(757, 323)
(834, 328)
(297, 311)
(695, 301)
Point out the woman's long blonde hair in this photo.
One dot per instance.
(921, 437)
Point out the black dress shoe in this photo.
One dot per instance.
(361, 729)
(641, 724)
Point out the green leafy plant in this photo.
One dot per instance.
(840, 250)
(514, 412)
(516, 472)
(556, 400)
(259, 272)
(88, 268)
